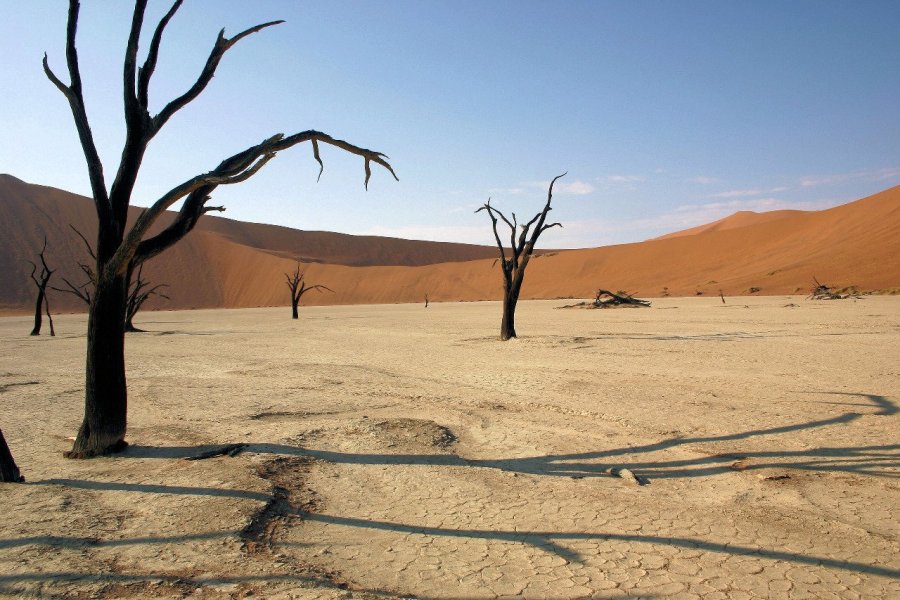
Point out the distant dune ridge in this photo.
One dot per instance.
(226, 263)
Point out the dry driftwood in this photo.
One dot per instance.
(230, 450)
(607, 299)
(824, 292)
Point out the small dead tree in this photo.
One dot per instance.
(298, 287)
(426, 300)
(41, 280)
(607, 299)
(121, 248)
(9, 472)
(139, 291)
(521, 249)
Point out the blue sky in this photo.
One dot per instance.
(665, 114)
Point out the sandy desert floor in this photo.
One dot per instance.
(398, 451)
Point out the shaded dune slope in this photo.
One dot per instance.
(227, 263)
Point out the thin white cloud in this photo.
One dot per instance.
(703, 180)
(869, 175)
(735, 194)
(620, 179)
(574, 188)
(746, 193)
(561, 187)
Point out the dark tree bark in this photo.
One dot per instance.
(43, 302)
(298, 287)
(521, 249)
(9, 472)
(120, 250)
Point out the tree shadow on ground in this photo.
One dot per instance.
(864, 460)
(875, 460)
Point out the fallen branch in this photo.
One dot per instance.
(607, 299)
(824, 292)
(230, 450)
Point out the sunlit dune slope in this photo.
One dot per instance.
(743, 218)
(231, 264)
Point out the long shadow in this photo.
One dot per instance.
(155, 489)
(314, 581)
(196, 582)
(887, 407)
(873, 460)
(881, 461)
(544, 539)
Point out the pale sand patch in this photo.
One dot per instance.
(403, 451)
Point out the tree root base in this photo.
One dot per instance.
(114, 448)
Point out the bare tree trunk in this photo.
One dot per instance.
(508, 322)
(295, 314)
(514, 265)
(106, 396)
(40, 281)
(9, 472)
(38, 312)
(120, 248)
(49, 316)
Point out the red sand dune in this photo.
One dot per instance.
(227, 263)
(743, 218)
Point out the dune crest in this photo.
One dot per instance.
(230, 264)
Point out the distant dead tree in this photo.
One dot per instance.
(824, 292)
(298, 287)
(139, 290)
(607, 299)
(521, 250)
(120, 249)
(41, 280)
(722, 296)
(426, 300)
(9, 472)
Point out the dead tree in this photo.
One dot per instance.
(9, 472)
(521, 249)
(120, 249)
(298, 287)
(426, 300)
(42, 303)
(824, 292)
(138, 292)
(607, 299)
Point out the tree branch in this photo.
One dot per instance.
(132, 106)
(490, 211)
(73, 94)
(239, 167)
(86, 243)
(146, 72)
(542, 216)
(221, 46)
